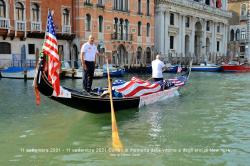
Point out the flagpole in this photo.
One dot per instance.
(34, 84)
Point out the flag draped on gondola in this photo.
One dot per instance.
(50, 48)
(136, 87)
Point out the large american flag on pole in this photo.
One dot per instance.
(136, 87)
(51, 50)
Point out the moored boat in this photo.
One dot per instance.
(206, 68)
(113, 71)
(235, 67)
(18, 73)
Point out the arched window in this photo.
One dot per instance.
(126, 29)
(148, 29)
(243, 9)
(66, 17)
(5, 48)
(100, 23)
(139, 28)
(232, 35)
(88, 22)
(243, 34)
(35, 12)
(2, 9)
(148, 8)
(237, 34)
(19, 11)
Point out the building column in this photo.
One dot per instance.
(204, 37)
(161, 31)
(183, 35)
(191, 46)
(213, 41)
(166, 36)
(180, 36)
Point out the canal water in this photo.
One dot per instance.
(208, 124)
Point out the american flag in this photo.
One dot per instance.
(178, 81)
(50, 48)
(137, 87)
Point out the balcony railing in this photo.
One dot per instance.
(20, 25)
(123, 37)
(4, 23)
(88, 4)
(36, 26)
(66, 29)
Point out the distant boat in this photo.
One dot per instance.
(206, 68)
(234, 66)
(18, 73)
(113, 71)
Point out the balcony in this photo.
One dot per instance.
(36, 26)
(88, 4)
(20, 25)
(123, 37)
(200, 7)
(4, 23)
(243, 18)
(66, 29)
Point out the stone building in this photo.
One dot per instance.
(22, 28)
(239, 30)
(124, 27)
(191, 28)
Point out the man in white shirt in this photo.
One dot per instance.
(88, 56)
(157, 66)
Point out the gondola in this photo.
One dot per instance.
(94, 103)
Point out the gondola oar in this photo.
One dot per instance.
(116, 143)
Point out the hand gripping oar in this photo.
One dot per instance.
(116, 143)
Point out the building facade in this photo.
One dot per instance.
(124, 27)
(23, 25)
(191, 28)
(239, 29)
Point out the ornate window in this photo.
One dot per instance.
(243, 9)
(171, 18)
(19, 11)
(5, 48)
(243, 34)
(148, 29)
(35, 12)
(88, 22)
(139, 7)
(148, 8)
(2, 9)
(232, 35)
(187, 23)
(66, 17)
(139, 28)
(237, 34)
(100, 18)
(208, 26)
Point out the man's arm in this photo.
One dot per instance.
(82, 61)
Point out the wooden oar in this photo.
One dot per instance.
(116, 143)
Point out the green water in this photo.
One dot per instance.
(208, 124)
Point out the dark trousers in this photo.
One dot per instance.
(88, 75)
(158, 79)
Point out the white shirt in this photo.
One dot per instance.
(89, 51)
(157, 66)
